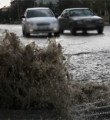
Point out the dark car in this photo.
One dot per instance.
(84, 19)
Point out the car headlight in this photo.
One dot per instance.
(101, 21)
(55, 29)
(30, 23)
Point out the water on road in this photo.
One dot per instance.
(91, 42)
(89, 53)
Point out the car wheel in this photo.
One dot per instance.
(61, 31)
(57, 34)
(49, 35)
(73, 31)
(84, 31)
(23, 33)
(27, 34)
(100, 31)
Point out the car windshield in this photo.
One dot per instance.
(81, 12)
(39, 13)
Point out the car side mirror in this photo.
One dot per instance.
(23, 17)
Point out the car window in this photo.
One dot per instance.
(64, 14)
(39, 13)
(81, 12)
(88, 12)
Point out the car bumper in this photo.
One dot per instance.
(88, 26)
(35, 30)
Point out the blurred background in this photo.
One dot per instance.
(13, 12)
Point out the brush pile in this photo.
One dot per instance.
(34, 78)
(31, 77)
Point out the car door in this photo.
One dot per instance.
(64, 20)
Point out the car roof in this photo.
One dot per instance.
(75, 8)
(37, 8)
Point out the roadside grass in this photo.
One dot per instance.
(33, 78)
(89, 92)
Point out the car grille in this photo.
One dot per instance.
(43, 24)
(90, 23)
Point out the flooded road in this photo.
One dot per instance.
(88, 58)
(89, 54)
(91, 42)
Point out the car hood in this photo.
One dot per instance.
(41, 19)
(86, 18)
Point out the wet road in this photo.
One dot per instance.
(90, 53)
(91, 42)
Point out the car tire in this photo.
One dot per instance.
(73, 31)
(84, 32)
(100, 31)
(23, 33)
(49, 35)
(57, 34)
(61, 31)
(27, 34)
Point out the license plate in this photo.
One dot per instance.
(79, 22)
(90, 26)
(43, 27)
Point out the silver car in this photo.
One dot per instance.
(39, 20)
